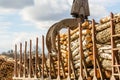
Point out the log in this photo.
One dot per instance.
(105, 35)
(107, 19)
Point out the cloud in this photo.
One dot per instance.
(102, 8)
(15, 4)
(54, 10)
(58, 9)
(104, 2)
(4, 11)
(25, 36)
(43, 25)
(5, 40)
(95, 14)
(5, 24)
(46, 10)
(9, 39)
(45, 13)
(20, 37)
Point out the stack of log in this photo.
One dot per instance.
(74, 38)
(6, 68)
(104, 51)
(103, 47)
(103, 29)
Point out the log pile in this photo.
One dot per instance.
(103, 29)
(104, 51)
(6, 68)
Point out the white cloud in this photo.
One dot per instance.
(6, 11)
(53, 10)
(25, 36)
(5, 41)
(44, 24)
(5, 36)
(5, 24)
(46, 10)
(97, 11)
(104, 2)
(9, 39)
(100, 8)
(20, 37)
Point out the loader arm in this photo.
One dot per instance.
(54, 29)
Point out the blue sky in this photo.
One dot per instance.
(22, 20)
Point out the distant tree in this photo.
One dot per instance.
(9, 53)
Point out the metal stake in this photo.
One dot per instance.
(20, 60)
(15, 64)
(49, 65)
(81, 50)
(42, 57)
(113, 44)
(69, 56)
(58, 77)
(25, 59)
(30, 60)
(36, 59)
(94, 50)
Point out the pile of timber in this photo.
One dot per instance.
(104, 50)
(6, 68)
(26, 65)
(104, 31)
(104, 53)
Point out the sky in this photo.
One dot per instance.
(22, 20)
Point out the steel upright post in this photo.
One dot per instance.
(81, 50)
(30, 60)
(94, 50)
(114, 50)
(58, 76)
(42, 57)
(49, 54)
(25, 59)
(36, 59)
(20, 65)
(15, 64)
(69, 56)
